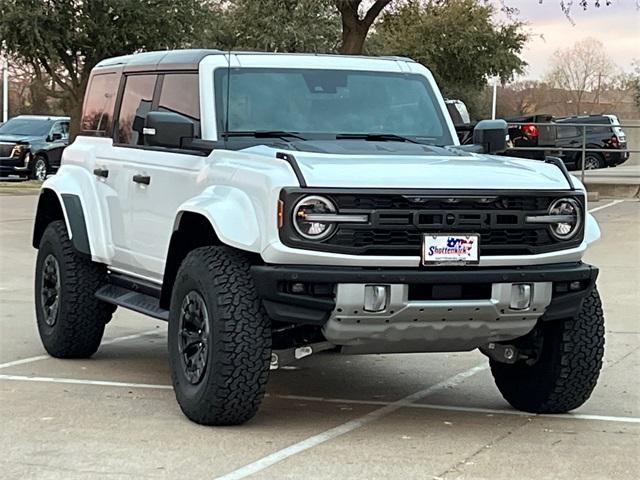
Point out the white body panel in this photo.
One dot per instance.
(130, 225)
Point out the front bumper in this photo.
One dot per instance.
(428, 310)
(9, 165)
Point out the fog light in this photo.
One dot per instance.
(375, 298)
(520, 296)
(297, 287)
(574, 286)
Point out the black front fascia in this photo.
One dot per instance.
(397, 224)
(273, 282)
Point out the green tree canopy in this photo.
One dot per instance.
(458, 40)
(274, 26)
(67, 38)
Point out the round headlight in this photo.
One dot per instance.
(569, 210)
(313, 230)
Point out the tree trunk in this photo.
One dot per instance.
(353, 40)
(73, 108)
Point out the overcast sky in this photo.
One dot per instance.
(616, 26)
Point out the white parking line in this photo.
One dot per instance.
(110, 341)
(606, 205)
(78, 381)
(347, 427)
(453, 408)
(342, 401)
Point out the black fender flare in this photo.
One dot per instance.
(68, 207)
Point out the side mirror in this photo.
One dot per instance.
(167, 129)
(491, 135)
(56, 137)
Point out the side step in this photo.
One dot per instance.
(136, 301)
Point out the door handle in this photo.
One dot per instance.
(101, 172)
(143, 179)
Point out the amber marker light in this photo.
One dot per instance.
(280, 213)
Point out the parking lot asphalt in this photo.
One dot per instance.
(420, 416)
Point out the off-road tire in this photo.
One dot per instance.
(80, 319)
(239, 338)
(568, 367)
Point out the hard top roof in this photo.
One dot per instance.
(189, 59)
(41, 117)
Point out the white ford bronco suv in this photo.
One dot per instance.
(273, 205)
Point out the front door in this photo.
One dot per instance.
(157, 180)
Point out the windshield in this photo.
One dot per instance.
(335, 102)
(23, 126)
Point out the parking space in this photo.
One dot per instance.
(422, 416)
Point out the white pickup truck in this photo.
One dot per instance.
(273, 205)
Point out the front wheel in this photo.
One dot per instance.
(568, 366)
(40, 168)
(219, 338)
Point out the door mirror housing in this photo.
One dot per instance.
(167, 129)
(491, 135)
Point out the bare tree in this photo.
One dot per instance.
(585, 67)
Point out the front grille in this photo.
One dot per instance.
(6, 149)
(398, 222)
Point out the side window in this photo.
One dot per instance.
(136, 103)
(57, 128)
(568, 132)
(606, 131)
(180, 94)
(65, 129)
(99, 103)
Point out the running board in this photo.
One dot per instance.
(136, 301)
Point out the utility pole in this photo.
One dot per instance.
(5, 86)
(495, 98)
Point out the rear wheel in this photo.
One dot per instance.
(219, 338)
(593, 161)
(70, 319)
(568, 366)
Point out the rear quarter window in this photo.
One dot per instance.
(99, 103)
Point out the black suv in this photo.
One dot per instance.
(31, 145)
(604, 134)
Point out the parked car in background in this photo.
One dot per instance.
(602, 132)
(31, 145)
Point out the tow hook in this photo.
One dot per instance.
(286, 356)
(502, 353)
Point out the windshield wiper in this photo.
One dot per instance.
(382, 137)
(265, 134)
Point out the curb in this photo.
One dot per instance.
(19, 191)
(613, 190)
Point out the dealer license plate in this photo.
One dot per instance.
(450, 249)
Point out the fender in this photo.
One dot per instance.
(76, 191)
(231, 214)
(591, 229)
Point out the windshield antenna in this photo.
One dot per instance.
(226, 113)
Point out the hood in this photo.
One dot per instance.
(18, 138)
(440, 168)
